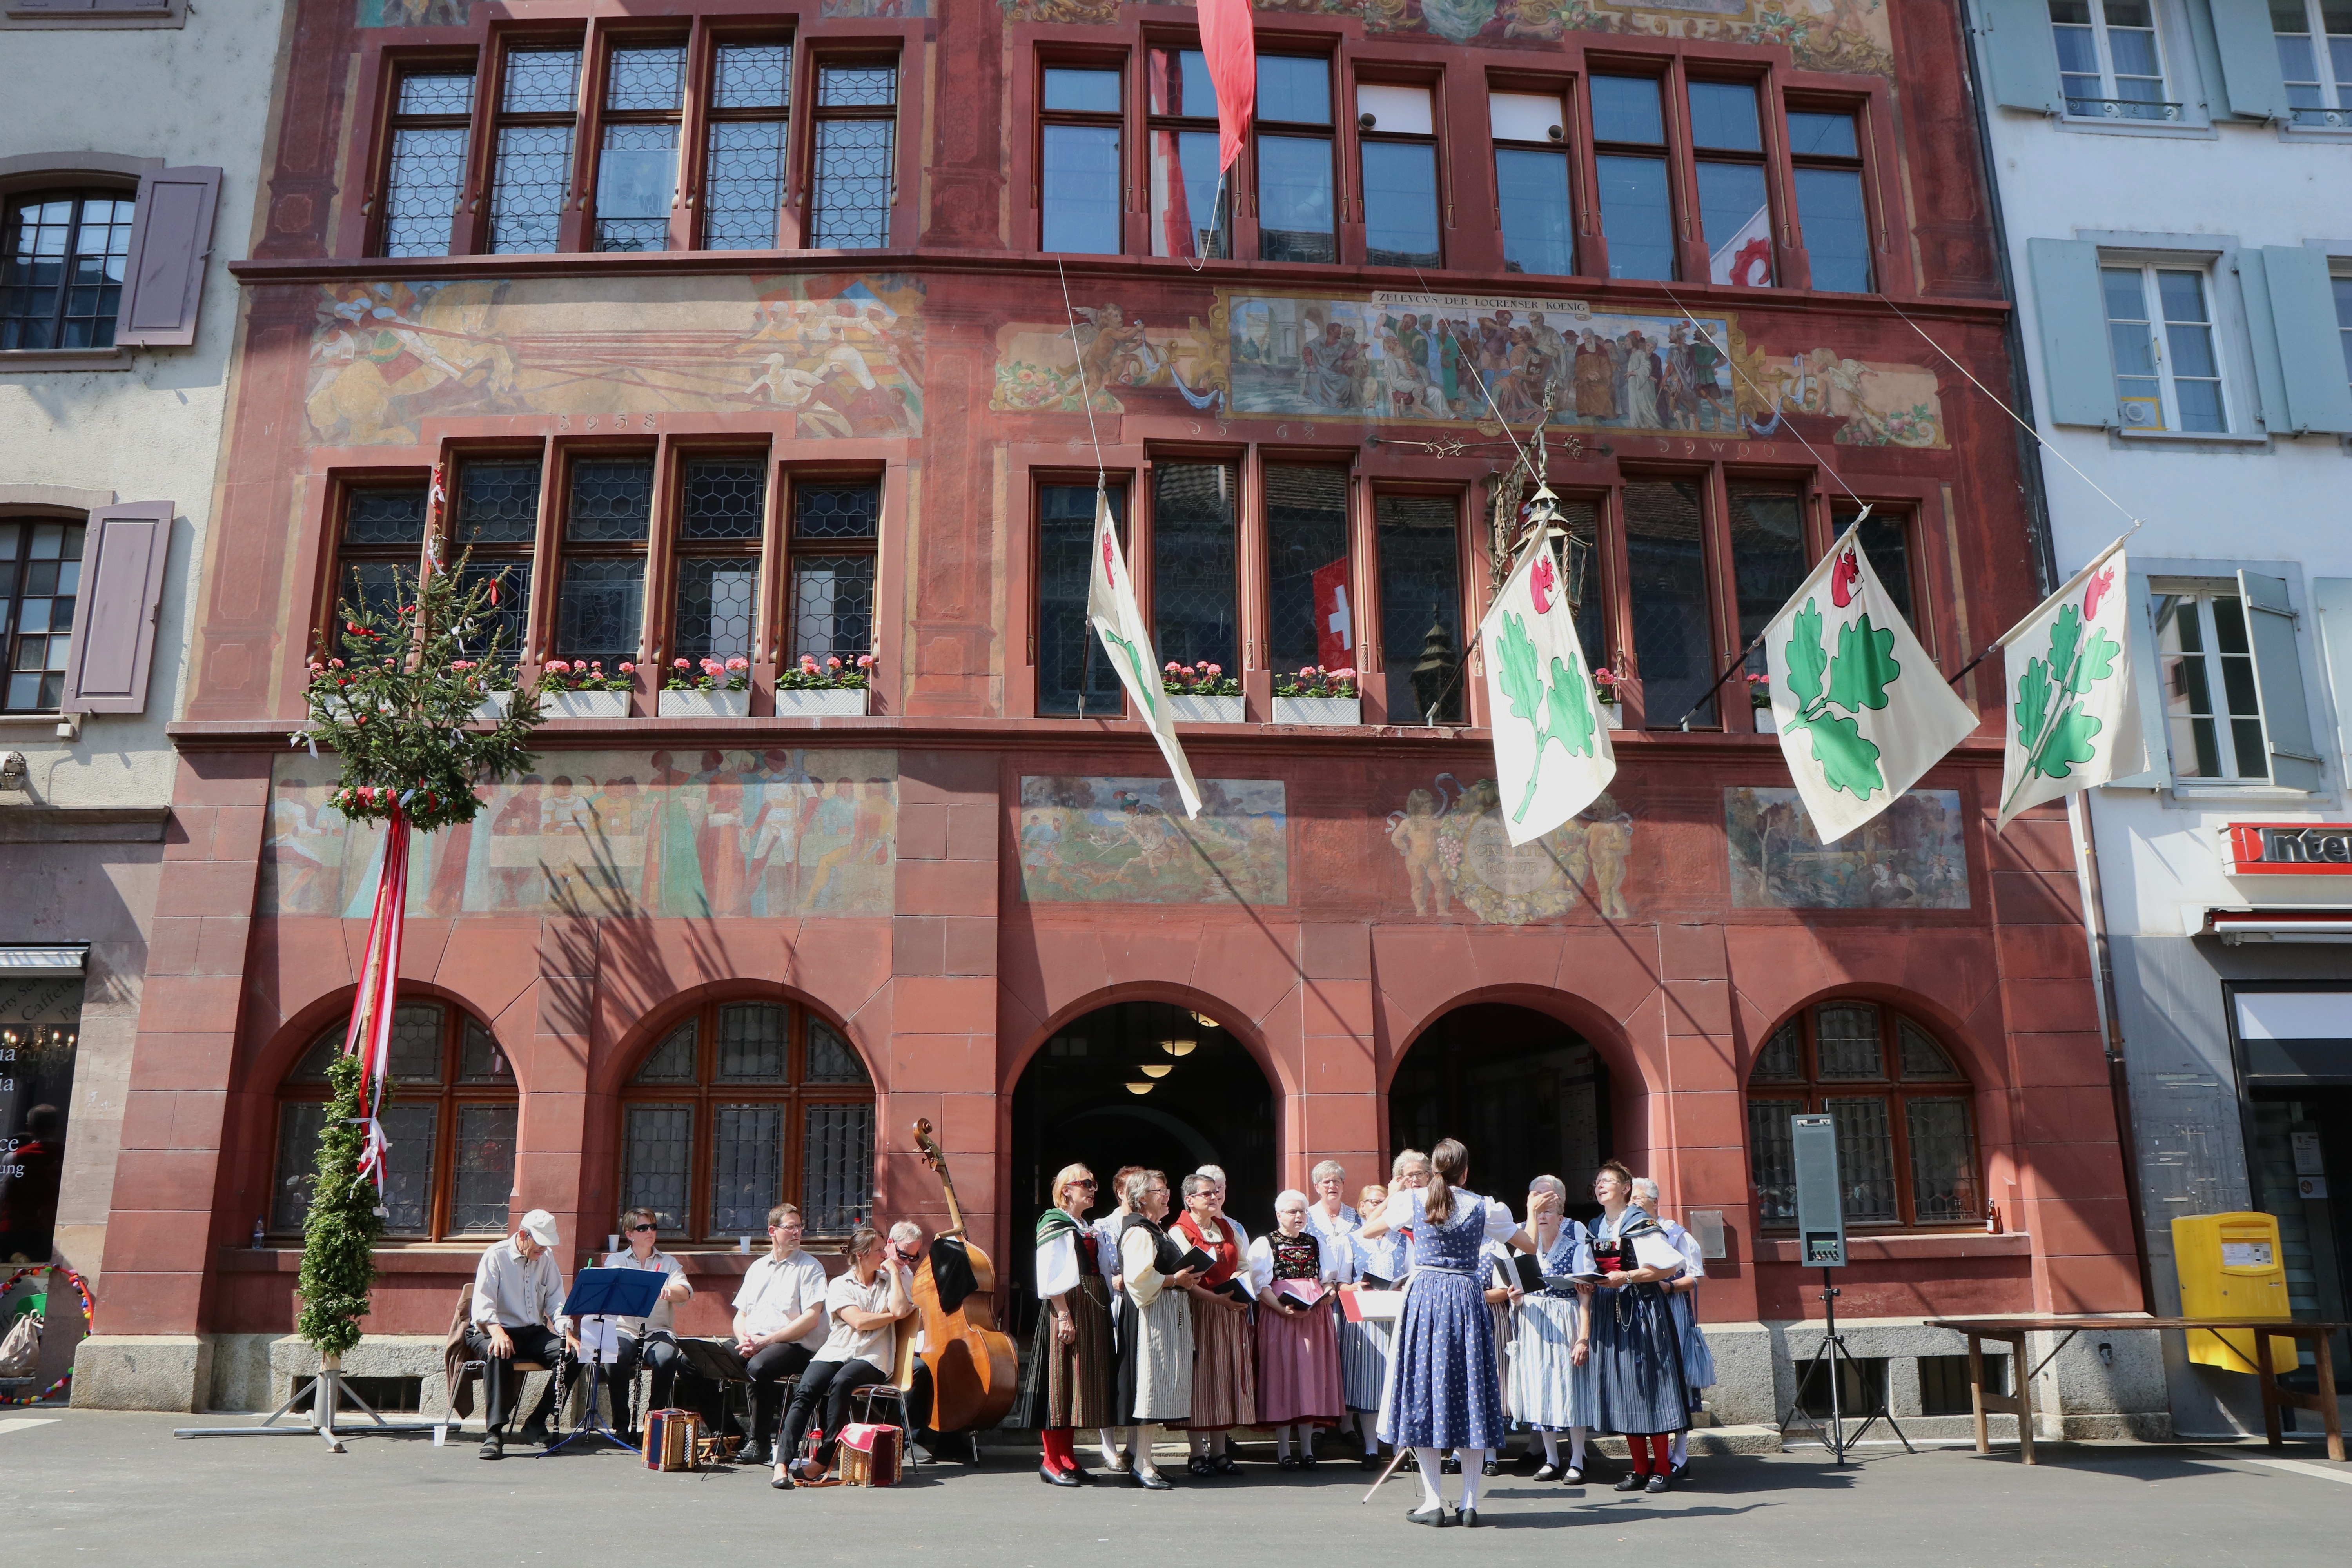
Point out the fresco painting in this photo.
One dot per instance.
(1910, 857)
(841, 355)
(624, 834)
(457, 13)
(1457, 850)
(1126, 841)
(1041, 367)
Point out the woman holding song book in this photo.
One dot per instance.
(1638, 1382)
(1072, 1378)
(1297, 1349)
(1224, 1376)
(1444, 1392)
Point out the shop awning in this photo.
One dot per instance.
(2306, 924)
(42, 959)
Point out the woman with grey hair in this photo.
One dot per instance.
(1298, 1347)
(1681, 1300)
(1225, 1372)
(1155, 1363)
(1550, 1383)
(1362, 1368)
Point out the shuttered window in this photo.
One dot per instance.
(40, 585)
(63, 258)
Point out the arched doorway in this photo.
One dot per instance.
(1075, 1102)
(1525, 1092)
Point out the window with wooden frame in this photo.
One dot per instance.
(608, 515)
(379, 549)
(425, 157)
(1902, 1110)
(742, 186)
(451, 1125)
(1190, 204)
(1635, 175)
(1533, 206)
(1297, 207)
(1080, 174)
(1309, 588)
(532, 145)
(63, 261)
(1396, 151)
(1195, 580)
(836, 525)
(1074, 674)
(494, 529)
(852, 167)
(1827, 178)
(721, 523)
(40, 583)
(1418, 539)
(742, 1105)
(1889, 537)
(1728, 178)
(637, 142)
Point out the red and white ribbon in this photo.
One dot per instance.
(370, 1038)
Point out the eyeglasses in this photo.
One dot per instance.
(1089, 1185)
(636, 1229)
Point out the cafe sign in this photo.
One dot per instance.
(2290, 848)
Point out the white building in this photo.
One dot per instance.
(2175, 182)
(130, 136)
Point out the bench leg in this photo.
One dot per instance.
(2020, 1373)
(2264, 1376)
(2331, 1410)
(1975, 1393)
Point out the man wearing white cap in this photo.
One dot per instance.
(518, 1314)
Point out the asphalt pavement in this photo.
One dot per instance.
(119, 1487)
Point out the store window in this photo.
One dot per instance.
(1903, 1110)
(1191, 201)
(1079, 163)
(40, 585)
(1296, 216)
(740, 1105)
(41, 1023)
(1532, 183)
(450, 1120)
(1396, 141)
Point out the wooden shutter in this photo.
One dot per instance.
(2254, 87)
(170, 238)
(2019, 57)
(2147, 684)
(2078, 368)
(2278, 676)
(2262, 339)
(2332, 598)
(114, 622)
(2310, 344)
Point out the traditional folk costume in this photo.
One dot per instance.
(1155, 1343)
(1640, 1389)
(1074, 1384)
(1297, 1355)
(1363, 1358)
(1547, 1390)
(1443, 1391)
(1698, 1357)
(1225, 1378)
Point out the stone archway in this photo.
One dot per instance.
(1526, 1093)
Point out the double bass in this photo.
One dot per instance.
(976, 1374)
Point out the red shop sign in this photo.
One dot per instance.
(2291, 848)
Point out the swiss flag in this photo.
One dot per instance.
(1335, 619)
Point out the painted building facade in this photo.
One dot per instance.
(2193, 154)
(824, 395)
(119, 212)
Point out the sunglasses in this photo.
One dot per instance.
(636, 1228)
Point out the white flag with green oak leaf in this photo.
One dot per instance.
(1553, 755)
(1861, 709)
(2073, 720)
(1110, 604)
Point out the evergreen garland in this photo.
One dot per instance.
(339, 1235)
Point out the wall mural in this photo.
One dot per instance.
(1908, 856)
(457, 13)
(1127, 841)
(1457, 850)
(1821, 34)
(776, 832)
(1039, 365)
(841, 355)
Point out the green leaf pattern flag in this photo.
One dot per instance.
(1111, 607)
(1861, 709)
(2072, 717)
(1553, 755)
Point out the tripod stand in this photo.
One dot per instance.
(1831, 1352)
(600, 1348)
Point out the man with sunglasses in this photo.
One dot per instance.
(652, 1338)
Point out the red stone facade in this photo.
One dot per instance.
(960, 949)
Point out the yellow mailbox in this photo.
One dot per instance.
(2230, 1266)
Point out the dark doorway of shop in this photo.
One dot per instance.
(1525, 1092)
(1137, 1083)
(2300, 1137)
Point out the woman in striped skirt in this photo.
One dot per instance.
(1682, 1295)
(1224, 1372)
(1073, 1362)
(1335, 1225)
(1364, 1347)
(1639, 1387)
(1551, 1379)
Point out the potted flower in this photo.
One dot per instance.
(1317, 696)
(1606, 692)
(495, 681)
(579, 688)
(1759, 698)
(827, 689)
(707, 689)
(1202, 693)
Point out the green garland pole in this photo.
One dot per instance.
(345, 1222)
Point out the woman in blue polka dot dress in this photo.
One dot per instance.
(1443, 1392)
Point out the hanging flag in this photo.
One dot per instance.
(1861, 709)
(369, 1037)
(1110, 604)
(2076, 719)
(1335, 620)
(1746, 259)
(1538, 696)
(1232, 50)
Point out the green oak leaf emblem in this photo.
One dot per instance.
(1856, 678)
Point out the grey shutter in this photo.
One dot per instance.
(2148, 678)
(2255, 90)
(2278, 678)
(2332, 598)
(2019, 59)
(170, 238)
(2078, 371)
(2309, 341)
(2264, 338)
(114, 622)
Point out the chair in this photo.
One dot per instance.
(863, 1399)
(473, 1370)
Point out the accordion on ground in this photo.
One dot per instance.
(869, 1454)
(671, 1439)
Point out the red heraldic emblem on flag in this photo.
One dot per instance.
(1335, 619)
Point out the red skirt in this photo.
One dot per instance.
(1297, 1369)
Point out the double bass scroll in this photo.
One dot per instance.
(975, 1373)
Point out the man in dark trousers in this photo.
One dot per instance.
(518, 1314)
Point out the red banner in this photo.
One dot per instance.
(1232, 50)
(370, 1038)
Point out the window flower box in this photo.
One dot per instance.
(1766, 724)
(1612, 714)
(721, 704)
(816, 701)
(494, 706)
(1190, 708)
(584, 704)
(1318, 710)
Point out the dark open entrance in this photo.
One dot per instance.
(1209, 1106)
(1527, 1094)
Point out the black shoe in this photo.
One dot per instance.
(1150, 1481)
(1198, 1465)
(1573, 1476)
(1656, 1484)
(781, 1482)
(1629, 1482)
(1054, 1477)
(1368, 1462)
(1491, 1468)
(1286, 1463)
(755, 1454)
(1466, 1517)
(1306, 1460)
(1449, 1466)
(1546, 1473)
(1681, 1471)
(1436, 1516)
(1224, 1464)
(494, 1446)
(536, 1433)
(1078, 1478)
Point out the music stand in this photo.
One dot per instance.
(720, 1366)
(599, 1296)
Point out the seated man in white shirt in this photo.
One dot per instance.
(780, 1322)
(865, 1305)
(518, 1313)
(652, 1338)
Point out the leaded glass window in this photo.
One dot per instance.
(1067, 651)
(1420, 608)
(743, 173)
(1194, 567)
(853, 182)
(531, 170)
(836, 527)
(425, 170)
